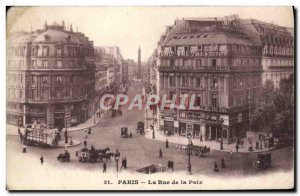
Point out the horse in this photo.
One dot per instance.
(106, 156)
(102, 151)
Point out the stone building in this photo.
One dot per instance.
(216, 60)
(277, 51)
(50, 77)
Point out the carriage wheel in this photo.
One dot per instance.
(196, 152)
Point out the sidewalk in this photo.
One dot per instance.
(13, 130)
(212, 144)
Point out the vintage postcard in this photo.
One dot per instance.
(150, 98)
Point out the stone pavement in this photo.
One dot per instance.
(196, 141)
(13, 130)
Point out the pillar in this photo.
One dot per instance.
(50, 117)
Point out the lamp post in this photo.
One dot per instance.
(220, 127)
(117, 157)
(94, 111)
(189, 165)
(66, 131)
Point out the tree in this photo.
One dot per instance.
(274, 110)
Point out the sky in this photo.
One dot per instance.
(131, 27)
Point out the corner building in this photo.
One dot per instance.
(216, 60)
(51, 77)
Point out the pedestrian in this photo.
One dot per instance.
(24, 149)
(221, 145)
(231, 154)
(130, 134)
(86, 136)
(216, 169)
(71, 142)
(172, 165)
(223, 163)
(90, 130)
(160, 154)
(125, 162)
(237, 147)
(42, 160)
(167, 143)
(122, 164)
(192, 143)
(257, 145)
(92, 148)
(201, 138)
(104, 167)
(85, 143)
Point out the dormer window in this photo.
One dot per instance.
(47, 37)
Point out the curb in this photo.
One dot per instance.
(247, 152)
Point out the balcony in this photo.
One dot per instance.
(225, 68)
(194, 54)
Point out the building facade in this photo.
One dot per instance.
(50, 77)
(215, 60)
(277, 51)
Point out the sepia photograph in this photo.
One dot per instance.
(149, 98)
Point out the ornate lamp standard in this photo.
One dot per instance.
(117, 157)
(189, 165)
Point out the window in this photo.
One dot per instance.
(185, 81)
(198, 82)
(172, 94)
(198, 101)
(45, 51)
(214, 62)
(172, 63)
(214, 100)
(241, 82)
(33, 63)
(20, 94)
(44, 79)
(32, 93)
(45, 64)
(71, 63)
(58, 64)
(21, 78)
(33, 79)
(71, 79)
(214, 82)
(21, 63)
(198, 63)
(172, 81)
(58, 79)
(58, 52)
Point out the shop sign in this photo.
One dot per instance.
(240, 117)
(189, 128)
(176, 123)
(225, 119)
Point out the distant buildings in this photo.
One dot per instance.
(50, 77)
(223, 61)
(277, 54)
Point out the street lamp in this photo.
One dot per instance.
(220, 126)
(66, 131)
(189, 165)
(117, 157)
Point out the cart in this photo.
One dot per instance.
(124, 132)
(263, 161)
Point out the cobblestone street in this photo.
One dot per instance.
(141, 152)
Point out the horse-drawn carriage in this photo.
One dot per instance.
(93, 155)
(263, 161)
(195, 150)
(64, 157)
